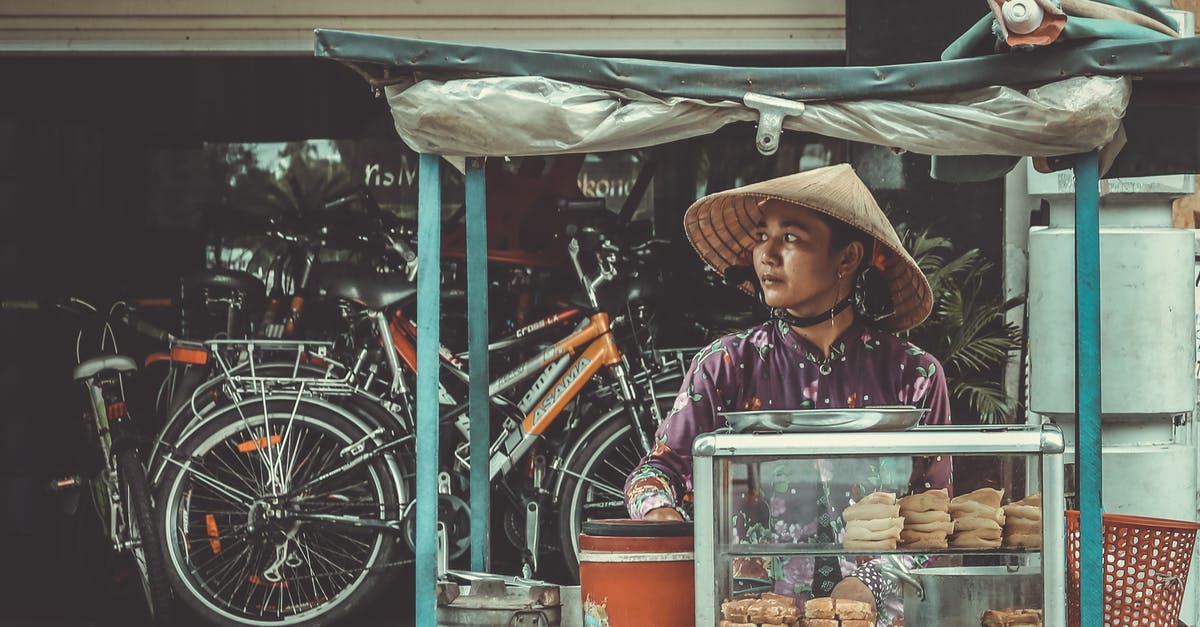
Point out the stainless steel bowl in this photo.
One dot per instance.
(882, 418)
(960, 595)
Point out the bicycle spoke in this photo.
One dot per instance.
(215, 484)
(247, 472)
(596, 484)
(277, 467)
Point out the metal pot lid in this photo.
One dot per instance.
(880, 418)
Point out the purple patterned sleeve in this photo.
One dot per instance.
(665, 475)
(881, 587)
(929, 390)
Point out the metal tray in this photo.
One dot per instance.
(882, 418)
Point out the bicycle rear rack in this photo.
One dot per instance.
(259, 367)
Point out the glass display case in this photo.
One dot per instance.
(778, 512)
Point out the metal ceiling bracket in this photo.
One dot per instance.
(771, 113)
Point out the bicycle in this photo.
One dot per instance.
(305, 491)
(117, 485)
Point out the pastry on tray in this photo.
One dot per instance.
(755, 610)
(828, 612)
(927, 520)
(1023, 523)
(873, 523)
(978, 519)
(1008, 618)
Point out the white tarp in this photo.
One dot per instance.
(515, 116)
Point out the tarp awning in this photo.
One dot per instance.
(461, 100)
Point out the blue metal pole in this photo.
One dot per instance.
(477, 334)
(1087, 389)
(429, 251)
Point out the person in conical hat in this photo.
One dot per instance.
(816, 248)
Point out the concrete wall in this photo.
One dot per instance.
(262, 26)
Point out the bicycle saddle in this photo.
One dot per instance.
(226, 279)
(353, 282)
(94, 366)
(615, 295)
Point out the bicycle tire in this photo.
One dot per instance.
(147, 549)
(354, 570)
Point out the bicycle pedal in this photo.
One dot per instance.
(64, 484)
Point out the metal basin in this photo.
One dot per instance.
(959, 595)
(881, 418)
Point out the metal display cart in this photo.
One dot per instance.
(727, 466)
(777, 98)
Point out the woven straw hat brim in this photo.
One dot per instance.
(720, 228)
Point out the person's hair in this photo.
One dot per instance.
(841, 235)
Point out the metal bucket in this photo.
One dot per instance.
(961, 594)
(492, 603)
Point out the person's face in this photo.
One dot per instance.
(794, 263)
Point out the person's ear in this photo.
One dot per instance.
(852, 256)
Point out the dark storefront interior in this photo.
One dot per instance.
(104, 193)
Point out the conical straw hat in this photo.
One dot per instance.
(720, 227)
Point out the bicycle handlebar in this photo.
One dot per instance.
(84, 310)
(13, 304)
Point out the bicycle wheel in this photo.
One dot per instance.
(237, 551)
(145, 545)
(594, 485)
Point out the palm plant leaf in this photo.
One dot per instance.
(967, 329)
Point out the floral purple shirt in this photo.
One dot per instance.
(770, 366)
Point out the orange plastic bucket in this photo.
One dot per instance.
(636, 573)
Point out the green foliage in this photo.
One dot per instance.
(966, 330)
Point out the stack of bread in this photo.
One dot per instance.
(1023, 523)
(873, 523)
(978, 519)
(759, 611)
(1007, 618)
(926, 520)
(827, 612)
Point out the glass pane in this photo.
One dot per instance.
(786, 526)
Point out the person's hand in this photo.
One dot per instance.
(663, 513)
(854, 589)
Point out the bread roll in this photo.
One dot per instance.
(1028, 512)
(856, 532)
(1033, 500)
(907, 536)
(972, 523)
(929, 500)
(781, 599)
(852, 610)
(727, 623)
(1023, 540)
(973, 540)
(928, 543)
(821, 622)
(821, 607)
(1022, 525)
(870, 545)
(737, 611)
(920, 518)
(978, 510)
(870, 511)
(984, 496)
(1006, 618)
(769, 613)
(944, 527)
(881, 498)
(878, 524)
